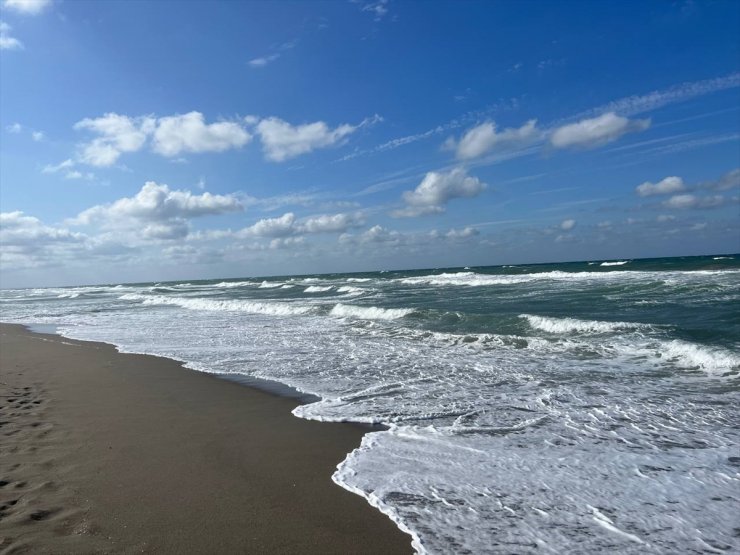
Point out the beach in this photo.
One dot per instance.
(108, 452)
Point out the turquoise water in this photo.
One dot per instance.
(578, 407)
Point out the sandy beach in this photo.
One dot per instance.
(118, 453)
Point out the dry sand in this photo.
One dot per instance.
(108, 452)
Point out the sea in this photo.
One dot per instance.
(571, 408)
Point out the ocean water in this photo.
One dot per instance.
(563, 408)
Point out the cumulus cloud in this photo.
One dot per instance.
(157, 212)
(116, 134)
(38, 135)
(20, 230)
(282, 226)
(190, 133)
(436, 190)
(27, 7)
(170, 136)
(483, 138)
(666, 186)
(593, 132)
(730, 180)
(287, 242)
(288, 225)
(464, 233)
(567, 225)
(8, 42)
(684, 202)
(336, 223)
(282, 141)
(14, 128)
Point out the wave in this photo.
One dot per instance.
(369, 312)
(270, 284)
(466, 278)
(709, 359)
(565, 325)
(473, 279)
(723, 258)
(273, 309)
(230, 284)
(350, 291)
(615, 263)
(316, 289)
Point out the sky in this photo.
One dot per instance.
(151, 141)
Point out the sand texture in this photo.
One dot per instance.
(102, 452)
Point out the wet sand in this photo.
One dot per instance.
(117, 453)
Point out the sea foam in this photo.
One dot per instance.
(369, 312)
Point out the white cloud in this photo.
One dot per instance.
(436, 190)
(638, 104)
(663, 218)
(693, 201)
(590, 133)
(264, 60)
(281, 140)
(171, 136)
(287, 242)
(287, 225)
(67, 164)
(117, 134)
(484, 138)
(157, 212)
(6, 41)
(14, 128)
(698, 226)
(379, 234)
(379, 9)
(567, 225)
(19, 230)
(75, 174)
(284, 226)
(729, 180)
(27, 7)
(666, 186)
(335, 223)
(37, 135)
(462, 233)
(189, 133)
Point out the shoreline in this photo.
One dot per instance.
(102, 451)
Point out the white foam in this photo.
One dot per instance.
(316, 289)
(566, 325)
(274, 309)
(231, 284)
(615, 263)
(712, 360)
(270, 284)
(350, 291)
(369, 312)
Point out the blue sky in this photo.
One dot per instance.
(164, 140)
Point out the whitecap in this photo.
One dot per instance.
(369, 312)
